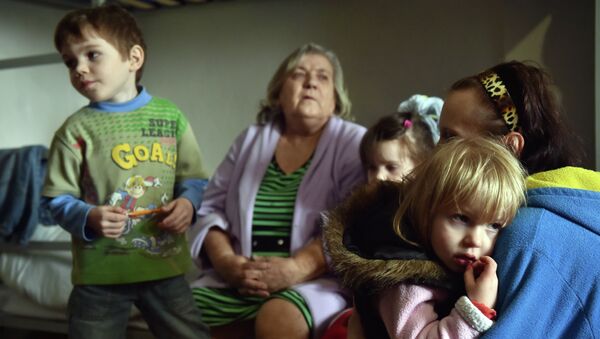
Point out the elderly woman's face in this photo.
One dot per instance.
(461, 115)
(308, 91)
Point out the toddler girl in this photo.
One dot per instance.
(390, 150)
(398, 142)
(416, 253)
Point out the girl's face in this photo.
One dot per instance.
(390, 160)
(460, 237)
(462, 115)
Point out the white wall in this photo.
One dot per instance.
(215, 60)
(219, 57)
(34, 100)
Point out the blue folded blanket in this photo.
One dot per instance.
(22, 172)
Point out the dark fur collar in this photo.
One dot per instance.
(364, 219)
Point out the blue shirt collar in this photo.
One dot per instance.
(142, 99)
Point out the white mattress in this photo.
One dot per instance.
(17, 311)
(44, 276)
(17, 304)
(36, 284)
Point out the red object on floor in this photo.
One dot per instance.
(338, 329)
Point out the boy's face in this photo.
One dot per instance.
(98, 71)
(461, 237)
(390, 160)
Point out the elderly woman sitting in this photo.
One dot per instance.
(258, 233)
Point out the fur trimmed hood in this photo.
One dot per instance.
(364, 250)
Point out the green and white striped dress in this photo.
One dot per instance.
(271, 230)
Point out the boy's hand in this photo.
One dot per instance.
(178, 215)
(107, 221)
(481, 281)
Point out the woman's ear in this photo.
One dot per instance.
(515, 141)
(136, 57)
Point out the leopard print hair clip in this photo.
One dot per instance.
(497, 91)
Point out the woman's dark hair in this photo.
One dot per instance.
(549, 142)
(393, 127)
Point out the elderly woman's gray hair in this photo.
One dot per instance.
(270, 109)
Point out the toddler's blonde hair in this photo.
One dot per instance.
(476, 171)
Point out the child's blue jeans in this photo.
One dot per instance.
(102, 311)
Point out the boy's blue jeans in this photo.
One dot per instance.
(102, 311)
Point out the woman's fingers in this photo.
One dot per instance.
(254, 293)
(256, 265)
(254, 284)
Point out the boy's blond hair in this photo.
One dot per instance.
(476, 171)
(112, 23)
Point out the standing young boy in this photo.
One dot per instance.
(124, 178)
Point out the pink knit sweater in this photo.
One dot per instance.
(408, 312)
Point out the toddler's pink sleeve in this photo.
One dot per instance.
(408, 312)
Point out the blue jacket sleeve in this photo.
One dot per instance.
(71, 214)
(193, 190)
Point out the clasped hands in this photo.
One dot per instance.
(258, 276)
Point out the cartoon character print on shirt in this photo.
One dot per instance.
(151, 242)
(155, 242)
(155, 245)
(135, 187)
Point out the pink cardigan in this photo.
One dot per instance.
(407, 311)
(229, 201)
